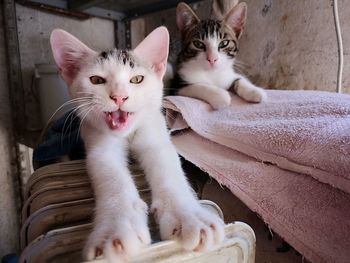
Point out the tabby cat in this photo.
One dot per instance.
(118, 96)
(206, 62)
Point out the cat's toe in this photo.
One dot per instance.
(93, 249)
(208, 233)
(119, 244)
(255, 95)
(258, 96)
(196, 228)
(118, 236)
(200, 238)
(220, 100)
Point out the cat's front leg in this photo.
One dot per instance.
(216, 97)
(175, 206)
(248, 91)
(120, 224)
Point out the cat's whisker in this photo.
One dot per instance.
(79, 109)
(82, 119)
(70, 116)
(64, 130)
(67, 103)
(240, 62)
(89, 108)
(241, 71)
(240, 66)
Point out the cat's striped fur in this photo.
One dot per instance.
(205, 68)
(203, 30)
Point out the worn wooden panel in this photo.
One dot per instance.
(9, 189)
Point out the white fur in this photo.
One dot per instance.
(210, 83)
(120, 224)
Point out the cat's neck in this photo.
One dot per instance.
(222, 77)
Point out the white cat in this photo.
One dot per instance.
(119, 96)
(206, 61)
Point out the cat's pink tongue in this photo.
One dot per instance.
(117, 119)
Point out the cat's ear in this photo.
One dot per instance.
(185, 17)
(221, 7)
(69, 53)
(236, 18)
(154, 49)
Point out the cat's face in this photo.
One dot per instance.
(210, 44)
(114, 90)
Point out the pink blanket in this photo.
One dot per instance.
(245, 146)
(311, 216)
(302, 131)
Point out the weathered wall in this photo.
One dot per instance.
(34, 28)
(292, 44)
(8, 211)
(286, 44)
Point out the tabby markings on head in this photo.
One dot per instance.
(122, 56)
(205, 30)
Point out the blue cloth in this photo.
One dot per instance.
(10, 258)
(61, 138)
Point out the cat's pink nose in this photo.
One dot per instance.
(212, 60)
(119, 100)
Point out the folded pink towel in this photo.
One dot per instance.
(311, 216)
(302, 131)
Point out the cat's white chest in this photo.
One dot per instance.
(221, 77)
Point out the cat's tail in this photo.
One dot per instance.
(221, 7)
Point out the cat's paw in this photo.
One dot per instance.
(251, 93)
(220, 99)
(197, 228)
(119, 234)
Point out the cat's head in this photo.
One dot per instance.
(210, 43)
(114, 90)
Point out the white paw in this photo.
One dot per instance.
(220, 99)
(252, 93)
(197, 228)
(119, 234)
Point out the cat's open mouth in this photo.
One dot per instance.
(117, 120)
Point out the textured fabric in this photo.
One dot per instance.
(60, 138)
(302, 131)
(311, 216)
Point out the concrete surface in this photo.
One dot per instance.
(292, 44)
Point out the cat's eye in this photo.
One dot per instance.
(224, 43)
(137, 79)
(198, 44)
(96, 80)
